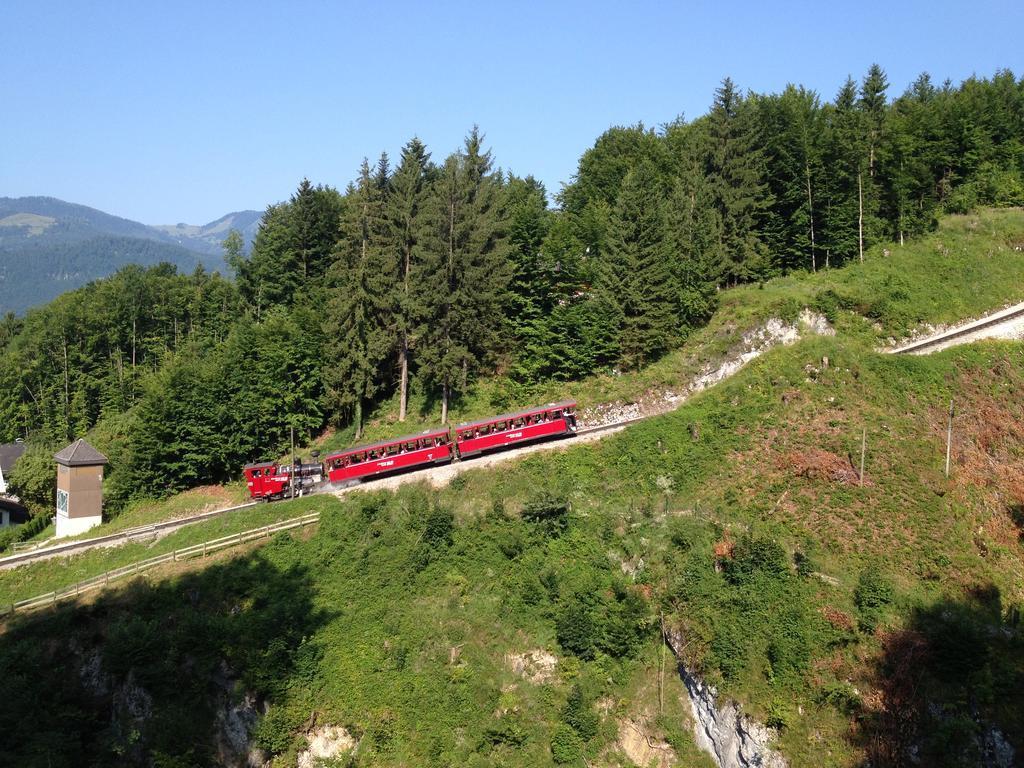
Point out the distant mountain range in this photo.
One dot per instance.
(48, 246)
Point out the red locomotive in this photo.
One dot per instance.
(269, 480)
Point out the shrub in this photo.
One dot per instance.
(626, 626)
(686, 533)
(548, 510)
(729, 650)
(756, 556)
(840, 695)
(871, 595)
(575, 630)
(778, 715)
(506, 731)
(578, 714)
(440, 525)
(566, 746)
(34, 478)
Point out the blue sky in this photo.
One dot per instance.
(166, 112)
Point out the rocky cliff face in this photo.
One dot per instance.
(732, 738)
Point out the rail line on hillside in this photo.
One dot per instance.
(1010, 314)
(168, 526)
(984, 324)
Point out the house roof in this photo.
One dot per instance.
(80, 454)
(10, 453)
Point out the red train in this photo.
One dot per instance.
(269, 480)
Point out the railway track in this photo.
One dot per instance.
(964, 333)
(157, 530)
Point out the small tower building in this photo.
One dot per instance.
(79, 488)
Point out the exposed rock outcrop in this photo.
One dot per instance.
(754, 343)
(733, 739)
(537, 666)
(326, 742)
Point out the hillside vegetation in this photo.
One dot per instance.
(428, 275)
(423, 621)
(517, 617)
(971, 265)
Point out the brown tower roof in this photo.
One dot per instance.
(80, 454)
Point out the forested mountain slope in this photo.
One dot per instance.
(48, 247)
(428, 282)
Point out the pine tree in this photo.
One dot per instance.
(792, 126)
(844, 164)
(736, 171)
(361, 282)
(872, 105)
(292, 249)
(909, 160)
(693, 234)
(466, 273)
(635, 269)
(409, 189)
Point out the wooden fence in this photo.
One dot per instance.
(196, 550)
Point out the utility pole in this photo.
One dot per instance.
(291, 475)
(860, 218)
(863, 450)
(949, 437)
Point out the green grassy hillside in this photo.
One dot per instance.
(514, 617)
(834, 611)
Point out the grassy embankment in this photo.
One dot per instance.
(834, 611)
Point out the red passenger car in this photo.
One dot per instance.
(552, 420)
(400, 453)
